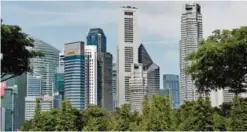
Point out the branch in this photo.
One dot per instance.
(3, 75)
(9, 78)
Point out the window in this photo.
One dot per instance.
(128, 13)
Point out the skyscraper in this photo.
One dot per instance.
(9, 103)
(91, 74)
(191, 35)
(138, 86)
(40, 82)
(127, 51)
(171, 84)
(74, 69)
(105, 99)
(145, 79)
(114, 85)
(152, 69)
(45, 66)
(97, 37)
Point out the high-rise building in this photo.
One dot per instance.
(171, 84)
(33, 85)
(40, 83)
(45, 66)
(114, 85)
(30, 105)
(153, 71)
(127, 51)
(145, 79)
(9, 103)
(97, 37)
(191, 35)
(74, 74)
(59, 82)
(105, 99)
(91, 73)
(138, 86)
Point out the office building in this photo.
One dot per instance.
(45, 66)
(138, 86)
(171, 84)
(97, 37)
(164, 92)
(2, 119)
(21, 83)
(127, 51)
(33, 85)
(9, 103)
(105, 81)
(145, 79)
(114, 85)
(91, 73)
(74, 74)
(152, 69)
(30, 105)
(191, 35)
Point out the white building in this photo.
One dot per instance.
(30, 104)
(91, 75)
(191, 35)
(127, 51)
(61, 59)
(138, 87)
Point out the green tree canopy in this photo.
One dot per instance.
(221, 62)
(15, 53)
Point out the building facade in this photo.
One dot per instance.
(138, 87)
(127, 51)
(30, 105)
(9, 103)
(152, 69)
(114, 85)
(97, 37)
(33, 85)
(191, 35)
(74, 74)
(171, 84)
(91, 73)
(105, 98)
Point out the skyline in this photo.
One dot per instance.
(70, 21)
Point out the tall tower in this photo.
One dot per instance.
(96, 37)
(191, 35)
(74, 70)
(128, 43)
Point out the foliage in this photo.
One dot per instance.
(14, 44)
(94, 119)
(220, 62)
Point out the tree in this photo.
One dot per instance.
(124, 117)
(160, 114)
(94, 119)
(219, 122)
(185, 114)
(220, 62)
(238, 118)
(36, 125)
(66, 120)
(14, 44)
(202, 118)
(27, 125)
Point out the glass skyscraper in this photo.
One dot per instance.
(74, 74)
(40, 81)
(171, 84)
(97, 37)
(114, 85)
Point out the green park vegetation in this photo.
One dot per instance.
(219, 63)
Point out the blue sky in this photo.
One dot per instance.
(158, 22)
